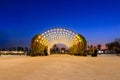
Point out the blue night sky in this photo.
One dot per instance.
(97, 20)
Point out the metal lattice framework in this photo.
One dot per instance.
(57, 35)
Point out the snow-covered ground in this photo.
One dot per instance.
(60, 67)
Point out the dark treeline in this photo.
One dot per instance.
(114, 47)
(26, 49)
(56, 50)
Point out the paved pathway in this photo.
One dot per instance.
(60, 67)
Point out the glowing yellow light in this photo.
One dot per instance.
(44, 36)
(37, 40)
(80, 40)
(39, 37)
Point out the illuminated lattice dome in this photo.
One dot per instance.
(41, 42)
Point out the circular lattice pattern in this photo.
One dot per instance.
(59, 34)
(75, 42)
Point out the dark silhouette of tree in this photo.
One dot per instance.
(14, 49)
(3, 49)
(26, 49)
(20, 49)
(88, 46)
(99, 46)
(109, 46)
(55, 49)
(54, 46)
(115, 45)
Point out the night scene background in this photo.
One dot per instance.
(20, 20)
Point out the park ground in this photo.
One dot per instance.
(60, 67)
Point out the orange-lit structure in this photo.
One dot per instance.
(41, 42)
